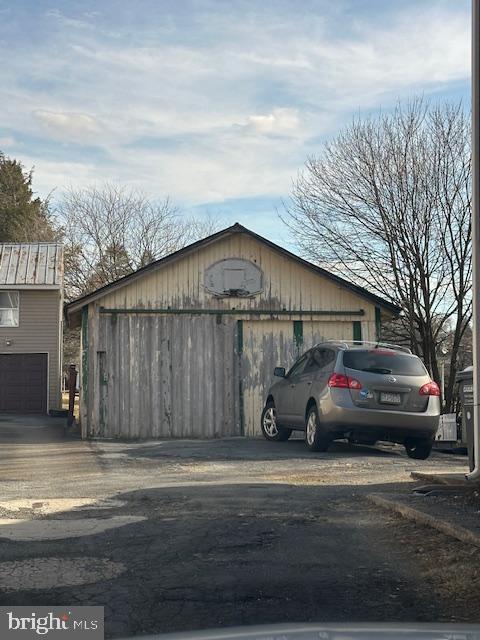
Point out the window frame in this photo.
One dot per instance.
(315, 367)
(292, 372)
(332, 358)
(17, 309)
(422, 370)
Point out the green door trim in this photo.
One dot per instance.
(84, 384)
(240, 381)
(357, 331)
(378, 323)
(298, 334)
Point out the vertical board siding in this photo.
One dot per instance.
(241, 399)
(272, 343)
(286, 283)
(267, 344)
(189, 375)
(84, 349)
(165, 376)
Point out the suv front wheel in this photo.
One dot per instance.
(315, 438)
(270, 429)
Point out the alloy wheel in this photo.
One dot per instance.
(311, 428)
(270, 422)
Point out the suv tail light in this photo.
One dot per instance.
(429, 389)
(344, 382)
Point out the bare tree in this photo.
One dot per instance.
(110, 231)
(204, 226)
(388, 205)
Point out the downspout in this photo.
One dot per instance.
(475, 474)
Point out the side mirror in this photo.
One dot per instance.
(279, 372)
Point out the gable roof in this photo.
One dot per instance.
(77, 304)
(30, 265)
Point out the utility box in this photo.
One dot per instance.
(465, 381)
(447, 428)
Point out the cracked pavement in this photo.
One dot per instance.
(176, 535)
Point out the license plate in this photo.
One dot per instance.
(390, 398)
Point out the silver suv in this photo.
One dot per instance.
(361, 391)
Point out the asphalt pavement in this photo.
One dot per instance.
(180, 535)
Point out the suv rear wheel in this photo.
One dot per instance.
(270, 429)
(315, 438)
(417, 448)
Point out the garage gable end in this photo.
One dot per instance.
(234, 269)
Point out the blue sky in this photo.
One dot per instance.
(215, 103)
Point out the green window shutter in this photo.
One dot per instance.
(84, 351)
(357, 330)
(378, 323)
(240, 336)
(298, 333)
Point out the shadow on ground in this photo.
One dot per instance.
(225, 555)
(32, 429)
(251, 449)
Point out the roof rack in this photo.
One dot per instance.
(347, 344)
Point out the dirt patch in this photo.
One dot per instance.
(450, 567)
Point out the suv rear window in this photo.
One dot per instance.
(384, 362)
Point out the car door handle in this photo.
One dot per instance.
(309, 383)
(292, 386)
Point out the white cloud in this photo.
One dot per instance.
(228, 112)
(277, 122)
(68, 127)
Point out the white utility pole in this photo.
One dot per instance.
(475, 474)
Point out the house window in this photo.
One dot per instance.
(9, 308)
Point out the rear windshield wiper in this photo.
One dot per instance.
(377, 370)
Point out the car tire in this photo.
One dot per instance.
(269, 426)
(417, 448)
(315, 437)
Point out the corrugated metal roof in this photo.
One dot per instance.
(35, 264)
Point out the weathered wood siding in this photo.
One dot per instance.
(287, 284)
(167, 374)
(163, 376)
(268, 344)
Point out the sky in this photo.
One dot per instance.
(215, 103)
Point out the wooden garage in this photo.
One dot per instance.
(186, 346)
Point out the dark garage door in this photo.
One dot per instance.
(23, 382)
